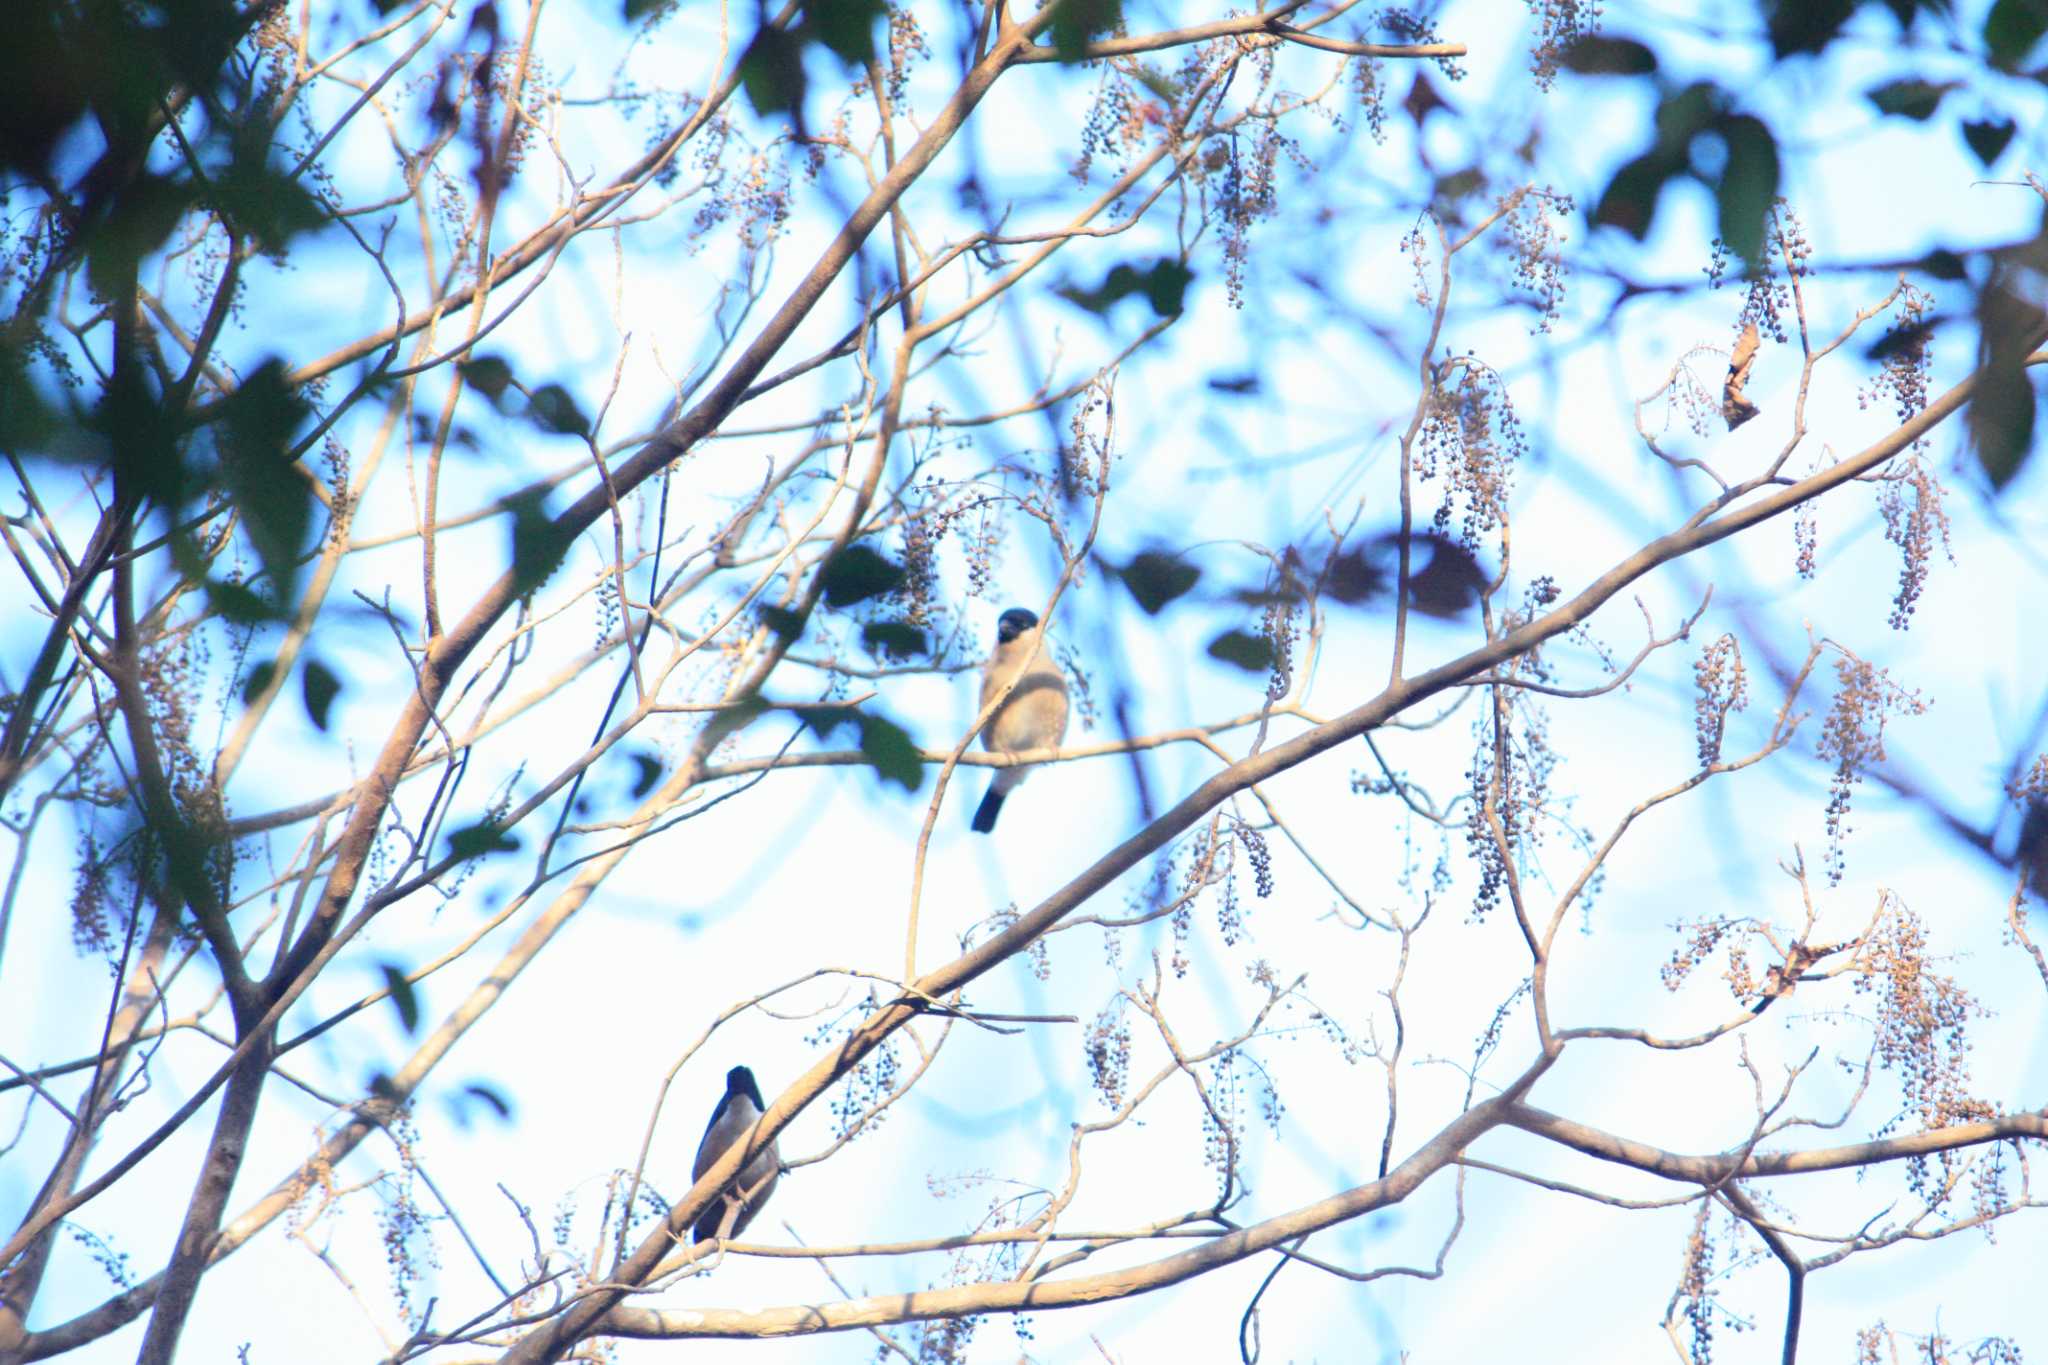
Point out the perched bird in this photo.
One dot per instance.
(1034, 717)
(737, 1110)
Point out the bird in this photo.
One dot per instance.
(737, 1110)
(1034, 717)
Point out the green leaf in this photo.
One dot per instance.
(45, 82)
(272, 496)
(1164, 284)
(2001, 420)
(2002, 411)
(857, 573)
(552, 409)
(259, 679)
(2012, 28)
(489, 375)
(893, 753)
(483, 837)
(240, 604)
(896, 639)
(402, 995)
(1166, 287)
(319, 687)
(646, 772)
(141, 218)
(1156, 578)
(267, 205)
(1749, 183)
(1597, 55)
(846, 26)
(772, 72)
(538, 543)
(1252, 653)
(1685, 114)
(1914, 99)
(1076, 22)
(1988, 138)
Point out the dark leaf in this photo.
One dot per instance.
(1806, 25)
(897, 639)
(239, 603)
(489, 1095)
(402, 995)
(636, 10)
(2012, 28)
(538, 543)
(2031, 854)
(1458, 185)
(320, 687)
(1156, 578)
(1253, 653)
(1988, 138)
(1749, 183)
(1247, 383)
(846, 26)
(1904, 339)
(1684, 114)
(258, 679)
(893, 753)
(1904, 10)
(772, 70)
(1630, 199)
(141, 218)
(823, 720)
(1598, 55)
(784, 622)
(2001, 423)
(1120, 282)
(266, 205)
(1166, 286)
(1913, 99)
(646, 772)
(1944, 264)
(489, 375)
(272, 496)
(44, 84)
(857, 573)
(552, 409)
(1449, 584)
(2001, 415)
(483, 837)
(1076, 22)
(1355, 578)
(1422, 99)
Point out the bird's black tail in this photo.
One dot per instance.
(991, 805)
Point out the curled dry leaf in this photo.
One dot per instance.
(1736, 409)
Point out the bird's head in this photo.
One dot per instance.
(1013, 623)
(740, 1081)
